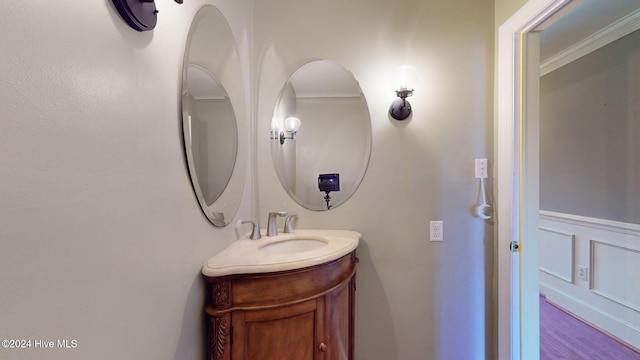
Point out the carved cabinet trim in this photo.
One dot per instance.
(220, 294)
(218, 336)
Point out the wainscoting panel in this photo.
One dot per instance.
(611, 266)
(608, 255)
(557, 253)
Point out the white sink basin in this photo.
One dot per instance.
(291, 246)
(282, 252)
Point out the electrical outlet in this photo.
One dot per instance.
(481, 168)
(436, 231)
(583, 273)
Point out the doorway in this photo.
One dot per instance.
(517, 149)
(589, 177)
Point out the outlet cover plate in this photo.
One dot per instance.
(481, 168)
(436, 231)
(583, 273)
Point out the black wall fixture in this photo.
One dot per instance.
(139, 14)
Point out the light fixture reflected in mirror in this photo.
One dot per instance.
(404, 79)
(292, 125)
(335, 136)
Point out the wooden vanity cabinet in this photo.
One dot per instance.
(302, 314)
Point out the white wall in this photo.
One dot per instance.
(415, 299)
(102, 237)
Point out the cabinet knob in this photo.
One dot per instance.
(322, 347)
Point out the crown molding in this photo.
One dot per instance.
(609, 34)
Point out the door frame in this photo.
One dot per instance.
(517, 164)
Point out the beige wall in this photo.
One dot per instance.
(416, 299)
(505, 8)
(101, 236)
(342, 148)
(589, 131)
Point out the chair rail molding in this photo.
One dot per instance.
(585, 221)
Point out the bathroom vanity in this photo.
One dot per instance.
(293, 314)
(287, 296)
(297, 314)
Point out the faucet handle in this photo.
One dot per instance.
(288, 225)
(255, 231)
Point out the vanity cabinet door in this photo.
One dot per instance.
(293, 332)
(302, 314)
(340, 322)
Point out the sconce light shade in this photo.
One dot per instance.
(404, 79)
(292, 125)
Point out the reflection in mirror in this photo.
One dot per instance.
(322, 162)
(211, 86)
(211, 130)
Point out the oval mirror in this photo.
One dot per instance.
(213, 116)
(321, 135)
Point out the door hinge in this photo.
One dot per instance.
(514, 246)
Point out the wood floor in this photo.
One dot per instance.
(563, 336)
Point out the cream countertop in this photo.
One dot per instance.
(244, 256)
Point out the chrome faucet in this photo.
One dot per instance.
(288, 225)
(255, 231)
(272, 225)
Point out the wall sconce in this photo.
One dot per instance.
(404, 80)
(292, 125)
(141, 15)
